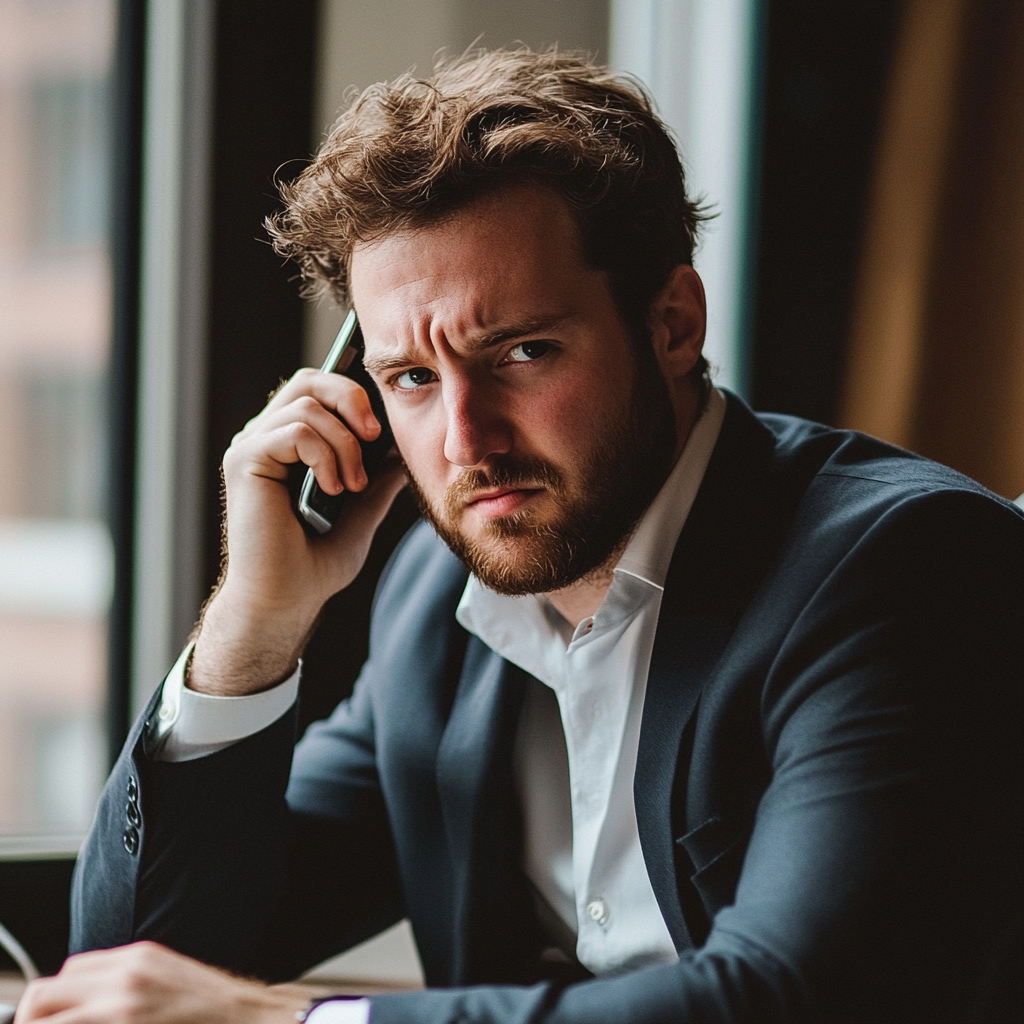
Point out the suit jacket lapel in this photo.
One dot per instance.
(495, 931)
(715, 567)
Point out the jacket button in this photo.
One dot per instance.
(131, 812)
(133, 788)
(131, 840)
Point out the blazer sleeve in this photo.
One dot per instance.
(216, 858)
(882, 877)
(207, 857)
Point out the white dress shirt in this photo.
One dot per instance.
(576, 746)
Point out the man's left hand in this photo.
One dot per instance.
(146, 983)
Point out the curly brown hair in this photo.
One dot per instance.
(409, 152)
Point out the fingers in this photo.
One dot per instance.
(335, 392)
(149, 984)
(304, 431)
(98, 986)
(301, 424)
(51, 1000)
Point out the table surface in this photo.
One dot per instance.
(11, 987)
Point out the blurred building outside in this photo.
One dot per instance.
(55, 301)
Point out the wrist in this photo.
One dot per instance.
(241, 650)
(262, 1004)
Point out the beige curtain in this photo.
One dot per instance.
(936, 354)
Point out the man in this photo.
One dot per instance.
(713, 717)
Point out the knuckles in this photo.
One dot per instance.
(301, 433)
(306, 405)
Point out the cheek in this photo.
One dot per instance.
(569, 414)
(422, 446)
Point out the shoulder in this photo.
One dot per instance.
(850, 479)
(804, 512)
(883, 543)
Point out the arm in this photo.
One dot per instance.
(206, 815)
(224, 871)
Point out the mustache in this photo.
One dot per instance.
(505, 471)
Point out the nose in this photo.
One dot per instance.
(476, 423)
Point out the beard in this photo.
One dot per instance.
(597, 503)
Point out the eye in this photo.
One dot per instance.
(528, 351)
(415, 378)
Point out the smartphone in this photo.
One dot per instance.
(320, 510)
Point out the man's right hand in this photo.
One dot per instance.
(278, 576)
(146, 983)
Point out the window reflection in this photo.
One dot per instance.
(55, 553)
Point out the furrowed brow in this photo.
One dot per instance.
(376, 365)
(518, 329)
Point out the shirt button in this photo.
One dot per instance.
(166, 712)
(588, 627)
(597, 911)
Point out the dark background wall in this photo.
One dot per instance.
(263, 94)
(573, 24)
(825, 75)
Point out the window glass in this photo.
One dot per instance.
(55, 309)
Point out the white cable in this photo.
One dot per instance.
(16, 952)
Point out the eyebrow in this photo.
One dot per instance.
(515, 329)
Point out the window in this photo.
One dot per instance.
(55, 310)
(71, 156)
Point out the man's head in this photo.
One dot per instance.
(517, 240)
(409, 152)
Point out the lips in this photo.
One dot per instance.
(500, 501)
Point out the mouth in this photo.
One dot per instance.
(500, 501)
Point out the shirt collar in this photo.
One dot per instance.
(649, 551)
(502, 621)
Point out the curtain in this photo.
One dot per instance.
(935, 361)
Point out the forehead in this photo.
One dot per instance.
(516, 252)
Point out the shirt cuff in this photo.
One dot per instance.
(340, 1011)
(188, 725)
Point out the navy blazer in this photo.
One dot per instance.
(828, 783)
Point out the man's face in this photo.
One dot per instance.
(533, 435)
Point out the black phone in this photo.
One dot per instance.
(320, 510)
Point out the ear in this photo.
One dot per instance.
(678, 321)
